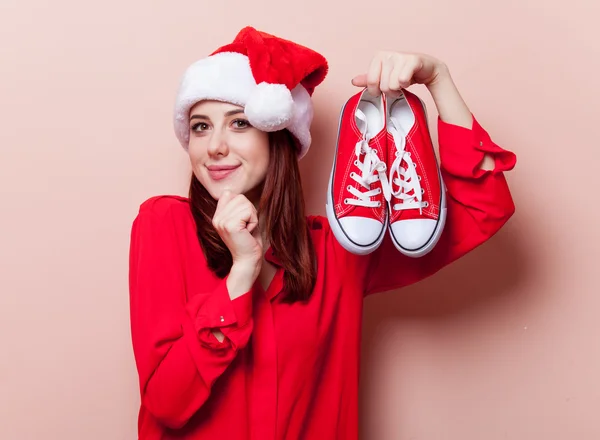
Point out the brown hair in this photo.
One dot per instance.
(281, 208)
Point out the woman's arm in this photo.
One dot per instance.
(478, 199)
(177, 353)
(451, 107)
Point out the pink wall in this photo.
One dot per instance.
(501, 345)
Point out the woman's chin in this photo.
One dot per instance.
(236, 186)
(218, 190)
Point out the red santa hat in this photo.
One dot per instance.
(272, 78)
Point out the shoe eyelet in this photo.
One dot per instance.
(422, 190)
(378, 190)
(348, 187)
(426, 205)
(356, 162)
(345, 201)
(408, 153)
(379, 204)
(419, 176)
(352, 174)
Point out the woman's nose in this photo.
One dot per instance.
(218, 144)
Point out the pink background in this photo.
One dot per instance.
(501, 345)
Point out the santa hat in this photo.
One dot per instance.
(272, 78)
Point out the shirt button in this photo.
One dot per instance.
(222, 319)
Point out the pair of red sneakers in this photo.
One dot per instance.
(385, 176)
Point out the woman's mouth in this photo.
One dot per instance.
(220, 173)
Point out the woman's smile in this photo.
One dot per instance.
(219, 173)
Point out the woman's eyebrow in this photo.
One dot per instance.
(234, 112)
(227, 114)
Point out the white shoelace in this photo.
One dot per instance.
(372, 169)
(408, 181)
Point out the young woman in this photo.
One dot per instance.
(246, 313)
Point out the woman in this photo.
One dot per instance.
(245, 313)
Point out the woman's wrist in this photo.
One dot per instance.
(241, 278)
(441, 78)
(450, 105)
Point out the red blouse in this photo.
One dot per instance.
(283, 371)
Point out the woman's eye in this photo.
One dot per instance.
(200, 126)
(241, 123)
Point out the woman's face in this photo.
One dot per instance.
(226, 152)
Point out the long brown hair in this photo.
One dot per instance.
(281, 209)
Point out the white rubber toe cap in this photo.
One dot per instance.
(361, 230)
(413, 234)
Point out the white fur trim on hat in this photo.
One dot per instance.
(270, 107)
(302, 118)
(227, 77)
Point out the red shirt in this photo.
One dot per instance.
(283, 371)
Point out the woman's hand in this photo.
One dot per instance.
(236, 222)
(390, 72)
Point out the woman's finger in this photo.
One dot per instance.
(237, 221)
(360, 80)
(245, 212)
(395, 89)
(226, 197)
(227, 204)
(374, 76)
(239, 211)
(407, 72)
(386, 70)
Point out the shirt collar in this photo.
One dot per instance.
(277, 283)
(272, 258)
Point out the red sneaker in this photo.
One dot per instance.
(358, 190)
(417, 211)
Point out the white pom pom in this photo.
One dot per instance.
(270, 107)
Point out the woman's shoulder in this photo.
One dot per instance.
(164, 204)
(166, 211)
(164, 218)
